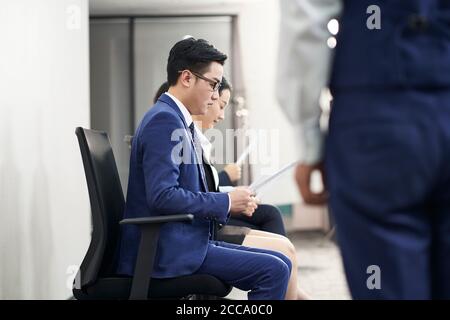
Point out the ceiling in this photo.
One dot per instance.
(165, 7)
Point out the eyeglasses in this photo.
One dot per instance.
(215, 85)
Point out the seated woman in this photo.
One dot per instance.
(266, 217)
(243, 235)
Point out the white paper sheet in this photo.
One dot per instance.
(258, 184)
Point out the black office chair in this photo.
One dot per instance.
(96, 278)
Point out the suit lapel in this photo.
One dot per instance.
(167, 100)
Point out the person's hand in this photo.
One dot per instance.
(243, 201)
(233, 171)
(240, 199)
(303, 174)
(251, 207)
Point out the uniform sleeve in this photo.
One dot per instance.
(303, 68)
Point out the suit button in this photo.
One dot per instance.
(417, 22)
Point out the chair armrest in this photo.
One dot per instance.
(159, 219)
(149, 227)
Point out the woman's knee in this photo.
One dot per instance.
(286, 247)
(290, 247)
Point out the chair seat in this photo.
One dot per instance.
(118, 288)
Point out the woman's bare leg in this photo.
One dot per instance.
(283, 245)
(260, 233)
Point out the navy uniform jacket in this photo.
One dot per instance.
(412, 48)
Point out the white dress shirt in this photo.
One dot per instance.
(186, 114)
(207, 149)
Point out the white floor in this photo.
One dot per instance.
(321, 273)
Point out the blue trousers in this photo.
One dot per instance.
(388, 173)
(264, 272)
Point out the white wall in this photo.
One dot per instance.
(259, 26)
(44, 95)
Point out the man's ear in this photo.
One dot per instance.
(186, 79)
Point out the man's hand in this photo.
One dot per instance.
(251, 207)
(303, 174)
(242, 201)
(233, 171)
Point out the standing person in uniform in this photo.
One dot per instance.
(387, 153)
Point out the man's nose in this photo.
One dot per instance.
(215, 95)
(222, 115)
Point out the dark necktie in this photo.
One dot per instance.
(198, 154)
(199, 158)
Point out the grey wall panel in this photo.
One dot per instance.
(153, 38)
(124, 78)
(110, 86)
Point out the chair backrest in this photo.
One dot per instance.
(107, 205)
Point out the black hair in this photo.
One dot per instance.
(225, 85)
(163, 88)
(193, 54)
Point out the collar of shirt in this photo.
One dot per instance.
(186, 114)
(205, 143)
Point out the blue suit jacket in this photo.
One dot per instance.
(160, 185)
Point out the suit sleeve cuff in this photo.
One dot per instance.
(226, 189)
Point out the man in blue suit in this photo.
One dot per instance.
(166, 177)
(387, 154)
